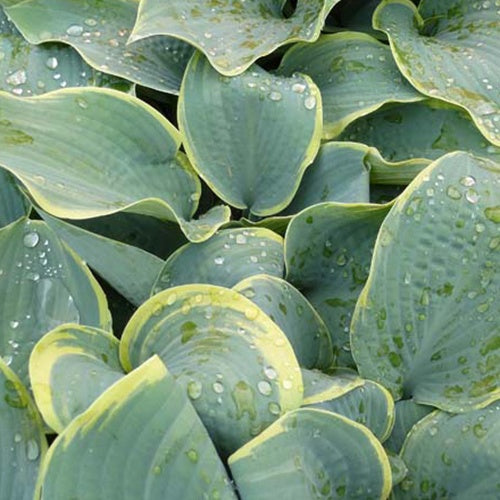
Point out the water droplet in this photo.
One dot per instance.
(74, 30)
(274, 408)
(52, 63)
(82, 102)
(270, 372)
(218, 387)
(299, 88)
(17, 437)
(14, 324)
(453, 193)
(32, 449)
(433, 431)
(31, 239)
(310, 102)
(194, 389)
(207, 35)
(472, 196)
(407, 279)
(251, 313)
(90, 22)
(275, 96)
(264, 388)
(241, 239)
(287, 384)
(219, 260)
(17, 78)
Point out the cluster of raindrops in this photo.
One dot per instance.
(276, 88)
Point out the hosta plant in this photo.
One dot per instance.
(249, 248)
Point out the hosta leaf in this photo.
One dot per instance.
(425, 130)
(23, 441)
(365, 402)
(232, 34)
(408, 413)
(453, 456)
(225, 259)
(155, 236)
(398, 468)
(449, 50)
(99, 31)
(140, 439)
(312, 453)
(426, 325)
(130, 270)
(30, 70)
(267, 130)
(355, 73)
(338, 173)
(328, 252)
(69, 368)
(93, 159)
(343, 171)
(42, 285)
(13, 204)
(277, 224)
(298, 320)
(319, 386)
(236, 365)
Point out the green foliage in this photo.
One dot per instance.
(249, 248)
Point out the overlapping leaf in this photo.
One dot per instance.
(298, 320)
(236, 365)
(342, 172)
(21, 434)
(432, 334)
(232, 34)
(42, 285)
(449, 50)
(140, 439)
(99, 32)
(112, 260)
(355, 73)
(408, 413)
(27, 69)
(328, 252)
(363, 401)
(453, 456)
(267, 130)
(93, 160)
(312, 453)
(13, 204)
(69, 368)
(225, 259)
(422, 130)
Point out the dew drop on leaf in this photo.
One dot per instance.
(264, 387)
(52, 63)
(74, 30)
(194, 389)
(310, 102)
(32, 449)
(31, 239)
